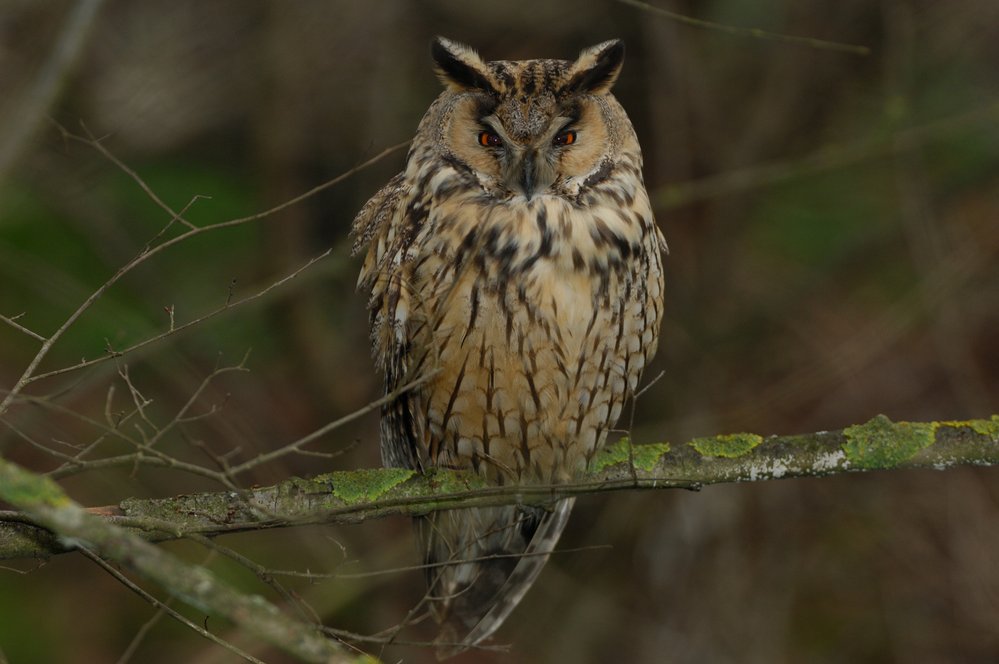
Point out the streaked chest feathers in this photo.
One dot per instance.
(536, 318)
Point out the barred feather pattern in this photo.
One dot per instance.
(527, 318)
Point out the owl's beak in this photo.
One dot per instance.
(527, 170)
(530, 173)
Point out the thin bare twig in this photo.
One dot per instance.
(95, 142)
(175, 329)
(22, 124)
(143, 632)
(265, 575)
(23, 435)
(825, 158)
(756, 33)
(12, 321)
(145, 454)
(181, 414)
(426, 566)
(295, 447)
(163, 607)
(631, 421)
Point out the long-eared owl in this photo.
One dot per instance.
(516, 277)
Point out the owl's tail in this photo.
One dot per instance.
(480, 564)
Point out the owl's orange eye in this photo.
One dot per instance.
(565, 138)
(488, 139)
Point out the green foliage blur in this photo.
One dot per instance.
(833, 222)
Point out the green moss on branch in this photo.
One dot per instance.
(356, 496)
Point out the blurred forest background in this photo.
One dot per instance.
(833, 221)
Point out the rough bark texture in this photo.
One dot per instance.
(360, 495)
(47, 505)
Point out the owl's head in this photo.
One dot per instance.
(530, 127)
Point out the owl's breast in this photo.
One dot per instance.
(536, 336)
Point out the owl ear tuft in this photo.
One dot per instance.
(596, 68)
(459, 67)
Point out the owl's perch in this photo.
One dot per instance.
(49, 506)
(360, 495)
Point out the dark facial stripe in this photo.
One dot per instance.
(571, 109)
(502, 74)
(528, 82)
(552, 71)
(485, 105)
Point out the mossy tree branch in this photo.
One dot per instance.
(361, 495)
(44, 503)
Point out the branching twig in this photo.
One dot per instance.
(148, 252)
(146, 439)
(12, 321)
(144, 455)
(95, 142)
(175, 329)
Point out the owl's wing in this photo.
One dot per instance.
(480, 564)
(377, 212)
(386, 274)
(402, 423)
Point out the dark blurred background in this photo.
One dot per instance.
(833, 221)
